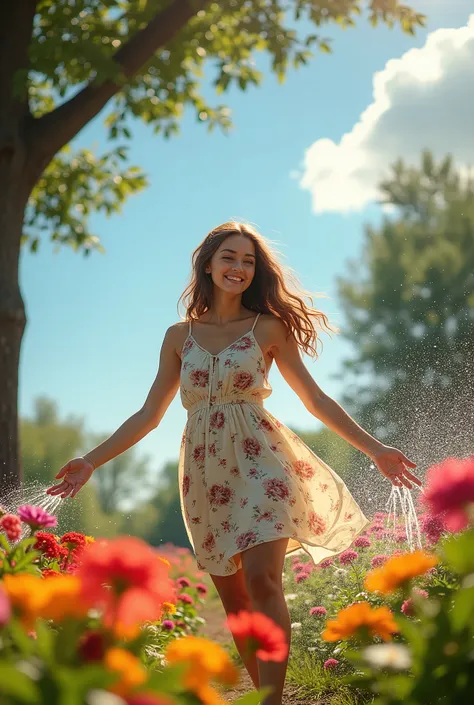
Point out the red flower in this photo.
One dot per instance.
(201, 588)
(449, 491)
(48, 544)
(137, 577)
(243, 380)
(50, 573)
(326, 563)
(199, 378)
(243, 343)
(92, 646)
(259, 634)
(251, 447)
(185, 598)
(219, 494)
(198, 454)
(11, 525)
(265, 424)
(303, 469)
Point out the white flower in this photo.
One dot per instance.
(312, 648)
(337, 651)
(340, 572)
(361, 594)
(394, 656)
(291, 596)
(331, 597)
(103, 697)
(308, 602)
(296, 625)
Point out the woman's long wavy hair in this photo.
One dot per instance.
(268, 292)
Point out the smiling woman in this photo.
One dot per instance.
(251, 491)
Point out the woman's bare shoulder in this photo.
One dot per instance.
(272, 329)
(176, 335)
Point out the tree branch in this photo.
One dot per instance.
(57, 128)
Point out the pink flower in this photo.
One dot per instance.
(449, 491)
(432, 527)
(301, 577)
(316, 523)
(318, 611)
(11, 525)
(421, 593)
(167, 624)
(5, 609)
(407, 608)
(183, 582)
(362, 542)
(303, 469)
(330, 663)
(243, 380)
(187, 599)
(346, 557)
(326, 563)
(200, 587)
(378, 561)
(36, 517)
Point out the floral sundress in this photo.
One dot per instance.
(244, 477)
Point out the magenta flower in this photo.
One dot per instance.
(346, 557)
(362, 542)
(187, 599)
(5, 609)
(432, 527)
(36, 517)
(378, 561)
(167, 624)
(318, 611)
(183, 582)
(301, 577)
(200, 587)
(326, 563)
(407, 608)
(449, 491)
(330, 663)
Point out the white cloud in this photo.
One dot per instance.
(425, 99)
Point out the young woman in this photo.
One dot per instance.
(251, 491)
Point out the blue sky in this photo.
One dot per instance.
(95, 325)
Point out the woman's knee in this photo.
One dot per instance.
(262, 583)
(232, 591)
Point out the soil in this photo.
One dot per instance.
(215, 630)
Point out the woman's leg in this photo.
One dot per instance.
(234, 596)
(263, 567)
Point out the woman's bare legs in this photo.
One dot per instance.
(233, 593)
(262, 567)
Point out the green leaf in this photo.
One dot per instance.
(254, 697)
(4, 543)
(15, 684)
(462, 611)
(458, 552)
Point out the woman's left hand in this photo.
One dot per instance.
(393, 464)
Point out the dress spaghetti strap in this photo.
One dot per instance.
(190, 327)
(255, 321)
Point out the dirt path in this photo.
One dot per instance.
(215, 630)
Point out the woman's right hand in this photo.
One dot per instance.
(75, 475)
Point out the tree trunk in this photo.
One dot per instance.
(12, 325)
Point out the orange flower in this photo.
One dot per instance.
(360, 615)
(398, 570)
(49, 598)
(169, 607)
(137, 578)
(24, 594)
(260, 633)
(205, 661)
(128, 667)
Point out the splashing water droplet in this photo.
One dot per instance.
(34, 494)
(408, 513)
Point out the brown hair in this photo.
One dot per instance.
(268, 292)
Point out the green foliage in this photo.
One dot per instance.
(80, 44)
(409, 308)
(439, 645)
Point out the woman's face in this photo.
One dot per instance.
(232, 265)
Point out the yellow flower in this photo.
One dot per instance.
(378, 622)
(169, 607)
(89, 539)
(165, 561)
(398, 570)
(128, 667)
(205, 660)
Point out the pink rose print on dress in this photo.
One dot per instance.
(198, 454)
(265, 425)
(252, 447)
(187, 346)
(209, 542)
(196, 520)
(235, 472)
(225, 526)
(316, 523)
(186, 483)
(199, 378)
(243, 343)
(246, 539)
(219, 494)
(303, 469)
(212, 448)
(276, 489)
(217, 420)
(243, 380)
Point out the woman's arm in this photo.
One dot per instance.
(159, 398)
(390, 461)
